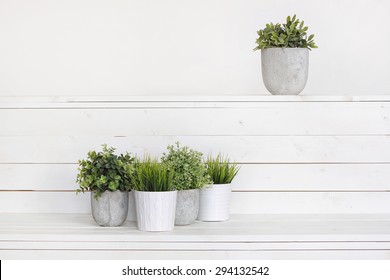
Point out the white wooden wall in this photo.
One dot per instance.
(299, 154)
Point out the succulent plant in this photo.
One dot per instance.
(292, 34)
(190, 172)
(105, 171)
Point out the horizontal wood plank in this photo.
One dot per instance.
(238, 98)
(244, 236)
(243, 149)
(266, 119)
(195, 255)
(242, 202)
(249, 228)
(252, 177)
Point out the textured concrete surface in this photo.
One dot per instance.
(132, 213)
(187, 207)
(110, 210)
(285, 70)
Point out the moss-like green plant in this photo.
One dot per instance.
(151, 176)
(221, 170)
(104, 171)
(292, 34)
(189, 169)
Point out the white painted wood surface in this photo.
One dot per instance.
(333, 151)
(252, 202)
(317, 177)
(74, 236)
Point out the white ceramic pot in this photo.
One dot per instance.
(187, 207)
(155, 210)
(285, 70)
(214, 203)
(110, 209)
(132, 213)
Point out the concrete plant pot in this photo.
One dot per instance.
(214, 203)
(285, 70)
(155, 210)
(187, 207)
(132, 213)
(110, 209)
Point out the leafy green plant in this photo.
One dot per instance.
(221, 170)
(190, 171)
(105, 171)
(292, 34)
(151, 176)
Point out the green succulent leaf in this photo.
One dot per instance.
(105, 171)
(291, 34)
(190, 171)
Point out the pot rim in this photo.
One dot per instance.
(155, 191)
(277, 48)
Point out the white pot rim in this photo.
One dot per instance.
(156, 192)
(228, 184)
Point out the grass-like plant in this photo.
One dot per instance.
(221, 170)
(151, 176)
(292, 34)
(104, 171)
(190, 171)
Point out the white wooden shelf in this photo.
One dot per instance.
(76, 236)
(136, 101)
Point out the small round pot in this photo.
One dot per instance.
(187, 207)
(110, 209)
(285, 70)
(155, 210)
(214, 203)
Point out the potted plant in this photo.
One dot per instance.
(285, 55)
(214, 200)
(155, 195)
(106, 175)
(189, 175)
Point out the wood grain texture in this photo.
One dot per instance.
(243, 149)
(235, 119)
(242, 202)
(302, 154)
(252, 177)
(249, 236)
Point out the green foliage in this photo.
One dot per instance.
(292, 34)
(190, 172)
(103, 171)
(151, 176)
(221, 170)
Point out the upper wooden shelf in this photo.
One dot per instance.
(199, 98)
(134, 101)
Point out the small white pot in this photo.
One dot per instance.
(285, 70)
(132, 214)
(155, 210)
(214, 203)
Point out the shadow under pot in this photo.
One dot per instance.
(110, 209)
(187, 207)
